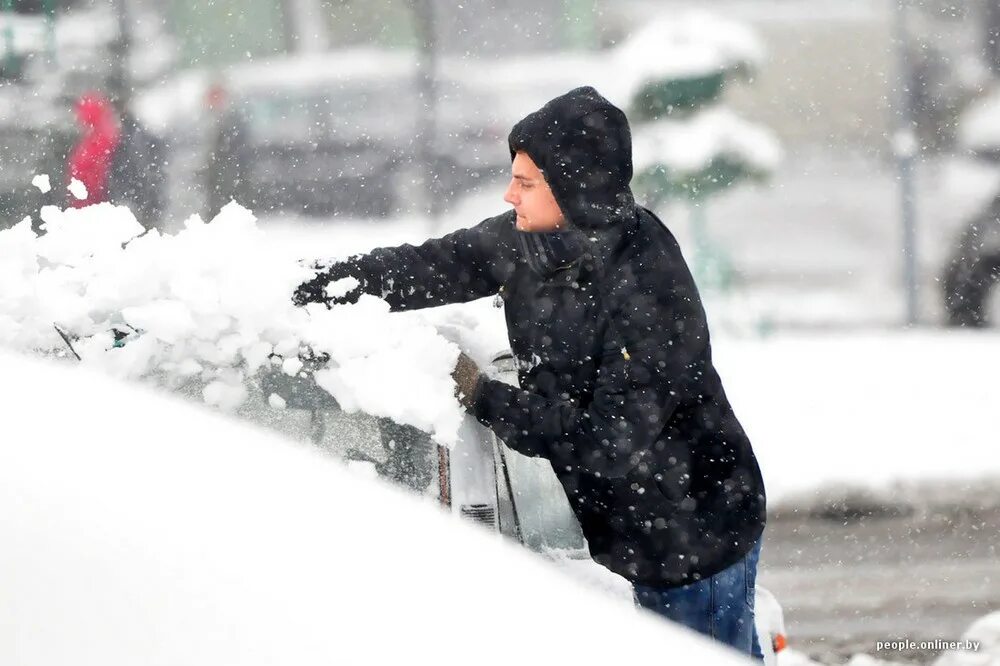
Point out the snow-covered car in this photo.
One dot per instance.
(138, 529)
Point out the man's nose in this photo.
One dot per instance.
(509, 196)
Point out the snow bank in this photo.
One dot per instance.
(211, 304)
(979, 127)
(985, 633)
(865, 410)
(141, 530)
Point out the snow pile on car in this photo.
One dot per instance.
(211, 304)
(140, 530)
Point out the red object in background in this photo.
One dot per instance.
(90, 161)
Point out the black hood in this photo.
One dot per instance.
(583, 145)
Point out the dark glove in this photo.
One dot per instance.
(467, 378)
(314, 290)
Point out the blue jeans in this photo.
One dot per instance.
(720, 606)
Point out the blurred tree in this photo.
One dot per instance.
(688, 146)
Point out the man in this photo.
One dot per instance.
(617, 387)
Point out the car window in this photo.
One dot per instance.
(372, 110)
(546, 520)
(529, 489)
(347, 112)
(283, 118)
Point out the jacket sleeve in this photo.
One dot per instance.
(459, 267)
(650, 359)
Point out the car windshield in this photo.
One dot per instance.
(527, 499)
(345, 112)
(284, 118)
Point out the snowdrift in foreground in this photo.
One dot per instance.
(141, 530)
(212, 305)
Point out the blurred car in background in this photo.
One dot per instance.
(327, 134)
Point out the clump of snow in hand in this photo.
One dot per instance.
(207, 308)
(387, 363)
(41, 181)
(291, 366)
(342, 287)
(77, 189)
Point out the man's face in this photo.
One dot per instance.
(532, 198)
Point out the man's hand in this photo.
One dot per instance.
(466, 375)
(314, 290)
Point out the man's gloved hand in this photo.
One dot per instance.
(467, 377)
(314, 290)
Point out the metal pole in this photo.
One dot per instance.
(120, 83)
(8, 34)
(991, 41)
(905, 148)
(49, 7)
(427, 111)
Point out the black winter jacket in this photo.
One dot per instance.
(617, 387)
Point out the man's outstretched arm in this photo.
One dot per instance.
(462, 266)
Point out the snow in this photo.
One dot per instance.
(978, 128)
(986, 633)
(688, 44)
(77, 189)
(978, 646)
(141, 530)
(41, 181)
(864, 410)
(690, 145)
(211, 304)
(171, 105)
(84, 29)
